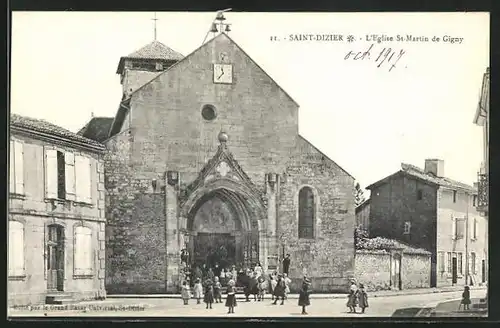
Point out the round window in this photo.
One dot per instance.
(208, 112)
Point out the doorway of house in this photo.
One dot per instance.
(55, 258)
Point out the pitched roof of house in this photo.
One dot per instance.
(418, 173)
(29, 124)
(153, 50)
(97, 128)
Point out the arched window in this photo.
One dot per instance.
(16, 249)
(306, 213)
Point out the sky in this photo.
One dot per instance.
(366, 118)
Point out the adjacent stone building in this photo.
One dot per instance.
(56, 218)
(204, 154)
(423, 208)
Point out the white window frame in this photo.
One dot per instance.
(16, 168)
(16, 253)
(80, 252)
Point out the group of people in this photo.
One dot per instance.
(357, 297)
(209, 284)
(211, 291)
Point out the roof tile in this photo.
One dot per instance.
(442, 181)
(49, 128)
(156, 50)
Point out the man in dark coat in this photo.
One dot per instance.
(286, 264)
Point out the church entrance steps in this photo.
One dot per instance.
(385, 293)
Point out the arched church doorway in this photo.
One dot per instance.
(222, 228)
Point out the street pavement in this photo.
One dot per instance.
(400, 306)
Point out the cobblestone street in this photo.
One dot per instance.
(163, 307)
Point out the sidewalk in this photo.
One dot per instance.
(382, 293)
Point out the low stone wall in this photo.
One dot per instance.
(373, 270)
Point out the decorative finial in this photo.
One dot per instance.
(154, 20)
(223, 137)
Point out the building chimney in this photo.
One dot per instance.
(435, 167)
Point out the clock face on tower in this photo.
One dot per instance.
(223, 73)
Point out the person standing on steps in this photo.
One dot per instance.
(304, 293)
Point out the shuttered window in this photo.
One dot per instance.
(83, 252)
(16, 168)
(16, 248)
(441, 260)
(83, 179)
(306, 213)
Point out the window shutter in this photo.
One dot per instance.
(16, 248)
(50, 173)
(69, 160)
(83, 251)
(83, 179)
(19, 167)
(12, 171)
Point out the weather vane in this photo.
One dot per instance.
(154, 20)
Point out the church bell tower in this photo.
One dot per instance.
(144, 64)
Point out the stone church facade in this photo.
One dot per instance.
(205, 154)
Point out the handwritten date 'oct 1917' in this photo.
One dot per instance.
(387, 56)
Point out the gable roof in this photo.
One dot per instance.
(154, 50)
(42, 127)
(417, 173)
(97, 128)
(204, 45)
(123, 110)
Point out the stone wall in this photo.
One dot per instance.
(328, 258)
(373, 270)
(416, 271)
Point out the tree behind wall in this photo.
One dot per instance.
(359, 197)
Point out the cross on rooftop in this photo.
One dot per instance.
(154, 20)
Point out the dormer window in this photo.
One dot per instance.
(159, 66)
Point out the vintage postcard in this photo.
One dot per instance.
(235, 164)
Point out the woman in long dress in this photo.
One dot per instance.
(304, 295)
